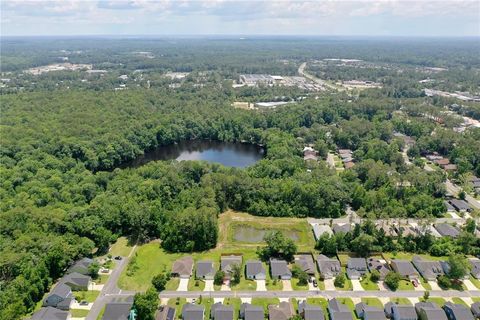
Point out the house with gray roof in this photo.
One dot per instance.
(192, 311)
(165, 313)
(404, 268)
(320, 229)
(284, 311)
(460, 205)
(429, 270)
(341, 228)
(306, 263)
(309, 311)
(254, 270)
(219, 311)
(50, 313)
(279, 269)
(183, 267)
(450, 208)
(447, 230)
(380, 265)
(400, 311)
(76, 281)
(367, 312)
(475, 308)
(60, 297)
(457, 312)
(356, 268)
(251, 312)
(328, 267)
(475, 267)
(205, 270)
(227, 263)
(118, 310)
(429, 311)
(81, 266)
(388, 228)
(338, 311)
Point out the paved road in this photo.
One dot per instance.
(454, 189)
(302, 72)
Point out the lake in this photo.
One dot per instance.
(256, 235)
(230, 154)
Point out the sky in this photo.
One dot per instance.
(458, 18)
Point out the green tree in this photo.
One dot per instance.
(340, 280)
(363, 244)
(392, 280)
(93, 269)
(236, 274)
(375, 276)
(459, 266)
(278, 246)
(444, 282)
(218, 278)
(159, 281)
(146, 304)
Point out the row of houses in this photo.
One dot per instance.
(347, 157)
(442, 162)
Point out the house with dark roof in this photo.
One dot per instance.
(284, 311)
(429, 270)
(404, 268)
(81, 266)
(310, 311)
(192, 311)
(50, 313)
(165, 313)
(447, 230)
(306, 263)
(251, 312)
(475, 308)
(356, 268)
(429, 311)
(328, 267)
(341, 228)
(460, 205)
(219, 311)
(338, 311)
(457, 312)
(400, 311)
(450, 208)
(205, 270)
(279, 269)
(320, 229)
(118, 310)
(367, 312)
(183, 267)
(76, 281)
(60, 297)
(475, 267)
(380, 265)
(254, 270)
(227, 263)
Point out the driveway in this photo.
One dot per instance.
(434, 285)
(469, 284)
(208, 285)
(419, 287)
(225, 287)
(76, 305)
(329, 285)
(311, 287)
(382, 286)
(261, 285)
(183, 285)
(356, 286)
(287, 285)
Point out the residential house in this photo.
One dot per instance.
(338, 311)
(349, 165)
(457, 312)
(118, 310)
(81, 266)
(310, 312)
(450, 167)
(400, 311)
(227, 263)
(460, 205)
(432, 231)
(183, 267)
(408, 230)
(429, 311)
(205, 270)
(284, 311)
(442, 162)
(60, 297)
(475, 308)
(367, 312)
(328, 267)
(50, 313)
(165, 313)
(251, 312)
(380, 265)
(447, 230)
(356, 268)
(220, 311)
(429, 270)
(450, 208)
(404, 268)
(341, 227)
(76, 281)
(306, 263)
(254, 270)
(279, 269)
(475, 270)
(310, 155)
(476, 184)
(389, 229)
(320, 229)
(192, 311)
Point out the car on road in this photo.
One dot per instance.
(118, 258)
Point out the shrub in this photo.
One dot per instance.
(392, 280)
(340, 280)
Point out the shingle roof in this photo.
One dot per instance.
(357, 264)
(475, 308)
(283, 311)
(192, 311)
(166, 313)
(306, 263)
(183, 266)
(339, 311)
(430, 270)
(460, 204)
(50, 313)
(82, 265)
(251, 312)
(475, 264)
(219, 311)
(319, 229)
(459, 311)
(254, 267)
(380, 266)
(279, 268)
(227, 262)
(344, 227)
(204, 268)
(76, 279)
(310, 312)
(404, 268)
(404, 311)
(117, 311)
(430, 311)
(447, 230)
(61, 290)
(328, 267)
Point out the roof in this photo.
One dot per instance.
(251, 312)
(165, 313)
(254, 267)
(279, 268)
(76, 279)
(357, 264)
(192, 311)
(365, 311)
(220, 311)
(442, 162)
(61, 290)
(341, 227)
(380, 266)
(460, 204)
(283, 311)
(204, 268)
(183, 266)
(449, 206)
(447, 230)
(475, 308)
(387, 228)
(404, 311)
(82, 264)
(117, 311)
(227, 262)
(428, 269)
(475, 264)
(404, 268)
(450, 167)
(328, 266)
(339, 311)
(310, 312)
(50, 313)
(430, 310)
(320, 229)
(305, 262)
(459, 311)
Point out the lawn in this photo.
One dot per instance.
(177, 304)
(235, 303)
(273, 284)
(476, 299)
(245, 285)
(349, 303)
(368, 285)
(296, 286)
(439, 301)
(405, 285)
(374, 302)
(347, 285)
(459, 301)
(196, 285)
(78, 313)
(89, 296)
(475, 282)
(319, 302)
(265, 302)
(120, 248)
(102, 279)
(207, 302)
(172, 284)
(401, 301)
(425, 284)
(100, 315)
(408, 256)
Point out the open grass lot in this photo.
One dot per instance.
(121, 248)
(408, 256)
(172, 284)
(405, 285)
(368, 285)
(177, 304)
(245, 285)
(401, 301)
(196, 285)
(78, 313)
(265, 302)
(89, 296)
(374, 302)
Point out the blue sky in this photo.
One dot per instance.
(224, 17)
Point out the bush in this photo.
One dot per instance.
(219, 276)
(340, 280)
(392, 280)
(159, 281)
(444, 282)
(375, 276)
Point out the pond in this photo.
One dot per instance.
(230, 154)
(255, 235)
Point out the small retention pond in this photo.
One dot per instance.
(255, 235)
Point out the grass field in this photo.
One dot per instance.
(89, 296)
(245, 284)
(368, 285)
(196, 285)
(172, 284)
(374, 302)
(121, 248)
(177, 304)
(475, 282)
(78, 313)
(401, 301)
(405, 285)
(265, 302)
(439, 301)
(408, 256)
(459, 301)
